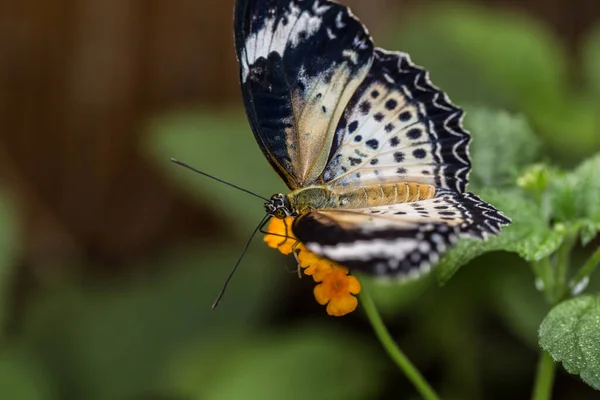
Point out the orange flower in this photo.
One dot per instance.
(282, 239)
(336, 288)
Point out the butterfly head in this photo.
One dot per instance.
(279, 206)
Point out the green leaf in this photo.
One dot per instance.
(529, 235)
(574, 196)
(588, 179)
(306, 363)
(536, 178)
(589, 231)
(571, 334)
(220, 144)
(502, 144)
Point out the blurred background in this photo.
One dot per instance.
(111, 256)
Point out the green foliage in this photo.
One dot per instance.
(522, 62)
(549, 208)
(502, 145)
(571, 334)
(306, 363)
(573, 197)
(505, 144)
(507, 60)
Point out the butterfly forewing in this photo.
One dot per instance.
(399, 127)
(300, 63)
(400, 239)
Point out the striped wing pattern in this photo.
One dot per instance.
(398, 240)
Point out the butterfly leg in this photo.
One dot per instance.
(295, 252)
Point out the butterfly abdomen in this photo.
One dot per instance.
(384, 194)
(322, 197)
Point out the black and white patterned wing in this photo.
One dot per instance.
(300, 63)
(399, 127)
(400, 240)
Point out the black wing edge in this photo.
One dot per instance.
(241, 24)
(482, 219)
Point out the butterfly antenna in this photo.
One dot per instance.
(181, 163)
(237, 264)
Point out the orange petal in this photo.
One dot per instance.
(337, 277)
(342, 305)
(321, 292)
(319, 270)
(353, 284)
(280, 228)
(307, 258)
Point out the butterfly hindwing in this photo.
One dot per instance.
(300, 63)
(399, 127)
(397, 240)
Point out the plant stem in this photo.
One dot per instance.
(544, 379)
(555, 292)
(393, 350)
(562, 267)
(587, 269)
(543, 270)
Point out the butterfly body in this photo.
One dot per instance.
(374, 154)
(310, 198)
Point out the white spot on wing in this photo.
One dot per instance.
(274, 37)
(352, 55)
(338, 21)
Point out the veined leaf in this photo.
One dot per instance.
(571, 334)
(573, 197)
(502, 144)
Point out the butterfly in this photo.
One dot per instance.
(375, 156)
